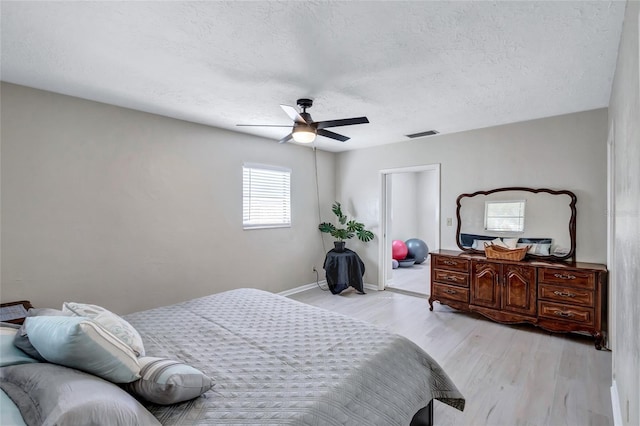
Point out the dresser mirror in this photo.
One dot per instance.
(543, 219)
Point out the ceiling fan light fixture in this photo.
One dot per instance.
(305, 130)
(303, 134)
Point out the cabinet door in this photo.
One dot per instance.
(485, 285)
(519, 289)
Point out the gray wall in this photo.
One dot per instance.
(428, 207)
(404, 215)
(413, 206)
(624, 119)
(131, 210)
(562, 152)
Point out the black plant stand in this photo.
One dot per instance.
(344, 269)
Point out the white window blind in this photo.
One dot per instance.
(266, 194)
(504, 216)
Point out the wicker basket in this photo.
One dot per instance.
(497, 252)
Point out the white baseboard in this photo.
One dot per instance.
(301, 288)
(615, 405)
(314, 285)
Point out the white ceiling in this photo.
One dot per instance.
(407, 66)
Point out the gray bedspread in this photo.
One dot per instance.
(278, 361)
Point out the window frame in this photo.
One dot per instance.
(266, 168)
(520, 218)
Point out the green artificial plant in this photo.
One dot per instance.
(351, 228)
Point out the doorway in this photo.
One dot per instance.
(410, 199)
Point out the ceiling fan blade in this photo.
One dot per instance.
(344, 122)
(293, 114)
(286, 138)
(332, 135)
(263, 125)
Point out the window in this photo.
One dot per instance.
(266, 196)
(504, 216)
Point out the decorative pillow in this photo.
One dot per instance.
(112, 322)
(496, 242)
(166, 382)
(21, 340)
(9, 354)
(468, 240)
(561, 251)
(479, 244)
(541, 249)
(47, 312)
(84, 344)
(510, 242)
(532, 247)
(49, 394)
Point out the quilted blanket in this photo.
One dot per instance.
(278, 361)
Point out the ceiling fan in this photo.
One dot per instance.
(305, 129)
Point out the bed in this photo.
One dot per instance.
(274, 360)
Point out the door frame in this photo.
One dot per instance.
(611, 238)
(384, 249)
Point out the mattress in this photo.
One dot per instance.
(278, 361)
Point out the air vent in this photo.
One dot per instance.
(421, 134)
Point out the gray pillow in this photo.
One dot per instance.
(49, 394)
(164, 381)
(21, 340)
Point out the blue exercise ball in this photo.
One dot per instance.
(417, 249)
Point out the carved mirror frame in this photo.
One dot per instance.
(571, 224)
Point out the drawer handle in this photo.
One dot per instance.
(451, 278)
(565, 277)
(563, 294)
(450, 262)
(564, 314)
(449, 291)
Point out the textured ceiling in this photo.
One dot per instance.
(407, 66)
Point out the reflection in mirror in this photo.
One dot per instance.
(504, 216)
(548, 226)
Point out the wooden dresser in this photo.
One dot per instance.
(556, 296)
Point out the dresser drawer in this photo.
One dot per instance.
(451, 264)
(442, 291)
(559, 311)
(576, 296)
(451, 277)
(569, 277)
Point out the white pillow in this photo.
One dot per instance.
(511, 242)
(532, 247)
(479, 244)
(112, 322)
(84, 344)
(498, 242)
(541, 249)
(495, 242)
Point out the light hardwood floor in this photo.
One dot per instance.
(509, 375)
(416, 278)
